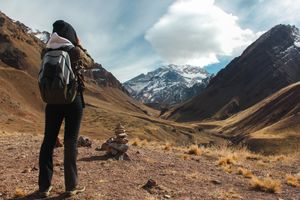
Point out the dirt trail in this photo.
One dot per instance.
(197, 177)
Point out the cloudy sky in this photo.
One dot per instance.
(129, 37)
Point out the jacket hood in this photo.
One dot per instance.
(56, 42)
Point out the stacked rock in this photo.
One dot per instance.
(117, 146)
(121, 136)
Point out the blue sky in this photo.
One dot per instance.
(129, 37)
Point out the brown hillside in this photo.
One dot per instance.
(18, 49)
(272, 125)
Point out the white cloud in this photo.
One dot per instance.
(263, 14)
(197, 32)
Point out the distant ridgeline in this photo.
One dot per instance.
(168, 85)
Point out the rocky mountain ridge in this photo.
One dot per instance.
(168, 85)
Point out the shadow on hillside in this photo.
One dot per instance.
(95, 158)
(35, 196)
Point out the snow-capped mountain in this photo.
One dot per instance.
(42, 35)
(168, 85)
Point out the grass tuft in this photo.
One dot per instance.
(228, 169)
(245, 172)
(292, 180)
(168, 147)
(19, 193)
(194, 150)
(184, 157)
(266, 184)
(228, 160)
(138, 142)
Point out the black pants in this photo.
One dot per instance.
(55, 114)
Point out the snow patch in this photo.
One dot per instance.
(296, 35)
(41, 35)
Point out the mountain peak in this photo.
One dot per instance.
(280, 36)
(283, 27)
(290, 32)
(189, 72)
(183, 67)
(169, 84)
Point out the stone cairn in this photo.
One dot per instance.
(116, 146)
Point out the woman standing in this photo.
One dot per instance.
(63, 38)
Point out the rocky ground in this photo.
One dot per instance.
(212, 174)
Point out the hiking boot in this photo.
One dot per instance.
(76, 190)
(45, 193)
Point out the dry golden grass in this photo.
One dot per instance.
(184, 156)
(266, 184)
(278, 158)
(226, 194)
(144, 142)
(228, 160)
(194, 150)
(245, 172)
(19, 193)
(293, 180)
(227, 168)
(262, 164)
(138, 142)
(253, 156)
(168, 147)
(240, 153)
(231, 194)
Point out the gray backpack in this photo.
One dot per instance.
(57, 81)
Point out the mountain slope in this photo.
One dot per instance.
(168, 85)
(19, 63)
(273, 122)
(269, 64)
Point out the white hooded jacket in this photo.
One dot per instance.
(56, 42)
